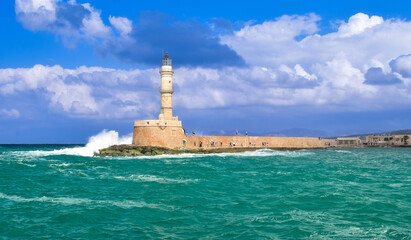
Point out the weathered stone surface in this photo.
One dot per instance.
(168, 133)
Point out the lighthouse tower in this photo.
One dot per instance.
(167, 131)
(166, 90)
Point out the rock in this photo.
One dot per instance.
(131, 150)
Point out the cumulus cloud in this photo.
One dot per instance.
(358, 24)
(402, 65)
(93, 25)
(121, 24)
(376, 76)
(337, 68)
(277, 42)
(272, 42)
(255, 86)
(84, 91)
(110, 93)
(279, 62)
(69, 20)
(291, 64)
(36, 14)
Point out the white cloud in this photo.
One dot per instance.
(331, 66)
(84, 92)
(12, 113)
(121, 24)
(93, 25)
(358, 24)
(272, 42)
(36, 14)
(69, 20)
(402, 65)
(364, 42)
(110, 93)
(288, 64)
(35, 5)
(302, 73)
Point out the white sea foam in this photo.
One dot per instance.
(26, 164)
(102, 140)
(72, 172)
(61, 165)
(395, 185)
(153, 178)
(256, 153)
(310, 216)
(340, 151)
(264, 153)
(78, 201)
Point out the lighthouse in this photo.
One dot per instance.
(166, 89)
(166, 131)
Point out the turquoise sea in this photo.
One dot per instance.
(54, 192)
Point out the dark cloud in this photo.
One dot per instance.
(402, 65)
(71, 14)
(222, 25)
(189, 43)
(375, 76)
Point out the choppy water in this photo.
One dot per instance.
(317, 194)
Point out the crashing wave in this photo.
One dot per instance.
(102, 140)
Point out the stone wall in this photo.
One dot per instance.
(158, 133)
(253, 142)
(170, 134)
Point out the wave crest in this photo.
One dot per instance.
(78, 201)
(152, 178)
(102, 140)
(252, 153)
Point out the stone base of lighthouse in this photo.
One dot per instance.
(159, 133)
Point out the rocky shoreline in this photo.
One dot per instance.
(131, 150)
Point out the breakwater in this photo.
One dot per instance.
(132, 150)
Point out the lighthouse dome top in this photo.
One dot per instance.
(166, 60)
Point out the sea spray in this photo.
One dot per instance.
(102, 140)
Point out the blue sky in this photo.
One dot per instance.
(69, 69)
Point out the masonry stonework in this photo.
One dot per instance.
(158, 133)
(253, 142)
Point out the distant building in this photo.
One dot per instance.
(374, 140)
(379, 140)
(348, 142)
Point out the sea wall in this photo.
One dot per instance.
(169, 134)
(253, 142)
